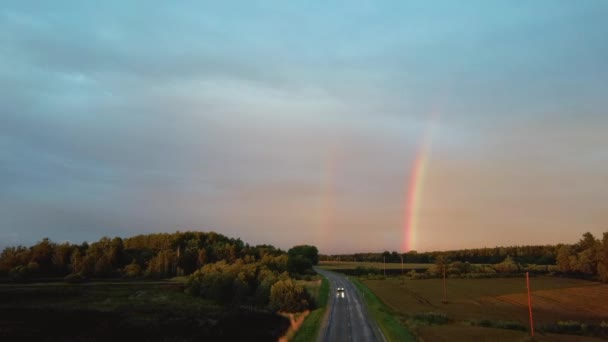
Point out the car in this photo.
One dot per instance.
(340, 292)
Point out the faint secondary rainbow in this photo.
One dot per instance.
(414, 190)
(327, 207)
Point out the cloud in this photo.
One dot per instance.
(297, 123)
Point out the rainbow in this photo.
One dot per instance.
(413, 193)
(327, 206)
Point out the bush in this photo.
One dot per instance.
(362, 270)
(510, 325)
(133, 270)
(23, 273)
(431, 318)
(74, 278)
(577, 328)
(507, 266)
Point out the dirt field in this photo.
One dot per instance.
(502, 299)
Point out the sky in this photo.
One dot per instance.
(301, 122)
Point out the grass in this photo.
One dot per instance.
(392, 329)
(132, 310)
(310, 329)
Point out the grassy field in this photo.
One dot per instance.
(156, 311)
(351, 265)
(392, 329)
(480, 306)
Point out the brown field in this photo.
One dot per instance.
(498, 299)
(351, 265)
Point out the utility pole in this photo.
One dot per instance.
(384, 259)
(445, 291)
(530, 304)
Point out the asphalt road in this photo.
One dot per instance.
(347, 318)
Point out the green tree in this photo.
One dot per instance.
(164, 264)
(12, 257)
(103, 267)
(441, 262)
(602, 265)
(116, 252)
(286, 296)
(61, 258)
(563, 258)
(587, 242)
(42, 254)
(301, 259)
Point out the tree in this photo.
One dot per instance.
(300, 259)
(42, 254)
(164, 264)
(61, 258)
(116, 252)
(12, 257)
(103, 267)
(286, 296)
(602, 265)
(563, 258)
(442, 263)
(586, 242)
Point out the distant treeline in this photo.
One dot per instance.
(587, 258)
(540, 255)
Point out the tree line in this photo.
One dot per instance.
(537, 254)
(219, 268)
(159, 255)
(587, 258)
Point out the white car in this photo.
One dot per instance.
(340, 292)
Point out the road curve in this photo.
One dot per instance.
(347, 316)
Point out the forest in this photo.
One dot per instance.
(219, 268)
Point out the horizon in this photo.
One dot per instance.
(351, 126)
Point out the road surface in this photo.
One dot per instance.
(347, 318)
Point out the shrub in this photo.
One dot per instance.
(74, 278)
(23, 273)
(510, 325)
(133, 270)
(362, 270)
(507, 266)
(431, 318)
